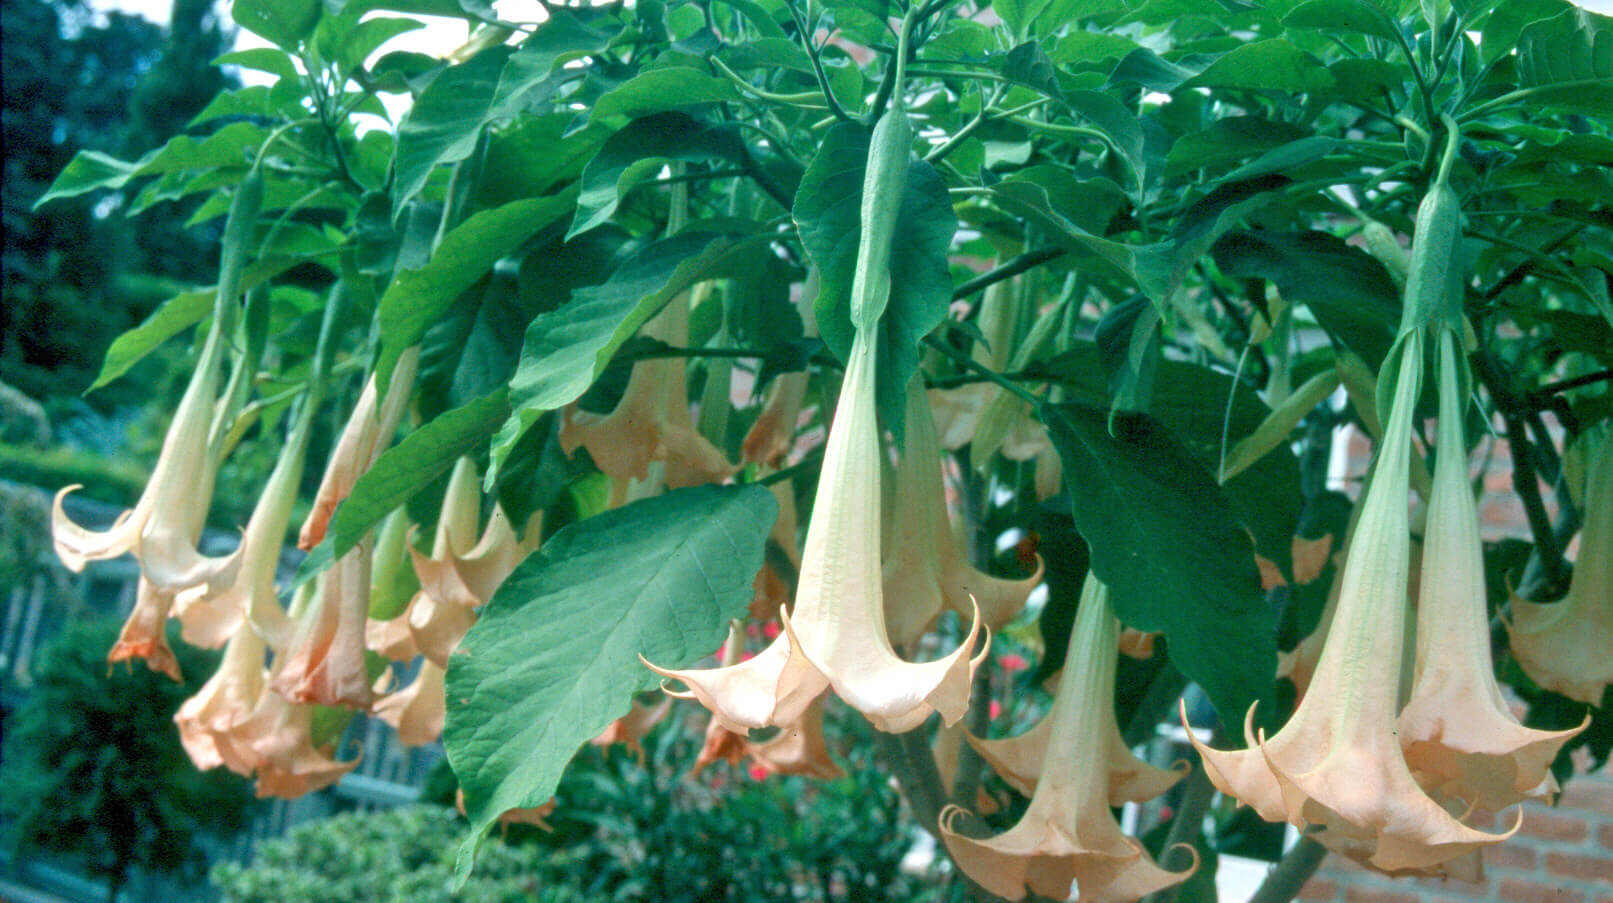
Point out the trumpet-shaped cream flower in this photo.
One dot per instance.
(209, 722)
(416, 712)
(162, 528)
(1337, 763)
(1456, 729)
(1068, 833)
(1018, 761)
(630, 729)
(324, 662)
(368, 431)
(836, 636)
(923, 568)
(211, 616)
(1564, 646)
(652, 421)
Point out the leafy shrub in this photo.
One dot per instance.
(398, 856)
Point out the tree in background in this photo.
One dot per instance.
(92, 767)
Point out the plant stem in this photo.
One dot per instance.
(1283, 883)
(1197, 792)
(1025, 261)
(970, 363)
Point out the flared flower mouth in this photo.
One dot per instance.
(1337, 764)
(209, 722)
(1068, 835)
(836, 635)
(1456, 729)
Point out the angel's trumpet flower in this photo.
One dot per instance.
(1456, 729)
(652, 421)
(416, 712)
(630, 729)
(799, 749)
(924, 568)
(720, 742)
(369, 428)
(279, 734)
(1068, 833)
(144, 633)
(209, 721)
(836, 637)
(1019, 760)
(1337, 763)
(324, 662)
(1564, 646)
(771, 590)
(210, 618)
(163, 526)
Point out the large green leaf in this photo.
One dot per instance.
(566, 349)
(1347, 290)
(554, 658)
(1273, 64)
(88, 171)
(282, 22)
(1333, 16)
(828, 214)
(638, 152)
(445, 121)
(417, 298)
(1568, 59)
(170, 319)
(1508, 20)
(1166, 541)
(659, 90)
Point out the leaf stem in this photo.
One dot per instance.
(970, 363)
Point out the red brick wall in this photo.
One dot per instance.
(1561, 854)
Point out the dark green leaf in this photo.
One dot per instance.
(828, 214)
(1165, 540)
(177, 314)
(1332, 16)
(1273, 64)
(416, 298)
(445, 121)
(566, 349)
(86, 172)
(554, 658)
(658, 90)
(638, 152)
(1228, 141)
(282, 22)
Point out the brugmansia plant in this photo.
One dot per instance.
(762, 353)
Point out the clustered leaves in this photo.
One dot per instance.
(958, 280)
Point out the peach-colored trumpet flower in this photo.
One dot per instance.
(1456, 729)
(1337, 764)
(209, 722)
(1564, 646)
(923, 569)
(1068, 834)
(652, 421)
(799, 749)
(279, 734)
(630, 729)
(144, 635)
(836, 636)
(416, 711)
(368, 431)
(324, 662)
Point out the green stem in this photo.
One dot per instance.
(971, 364)
(1284, 882)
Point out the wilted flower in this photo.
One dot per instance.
(1068, 834)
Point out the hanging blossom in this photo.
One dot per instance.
(209, 722)
(324, 661)
(417, 710)
(836, 636)
(1457, 730)
(1337, 764)
(923, 569)
(1564, 646)
(652, 421)
(368, 431)
(1068, 834)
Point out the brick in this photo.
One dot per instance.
(1586, 792)
(1517, 890)
(1582, 868)
(1319, 890)
(1373, 895)
(1511, 855)
(1558, 827)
